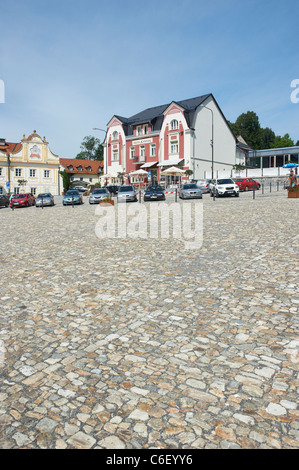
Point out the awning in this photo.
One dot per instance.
(148, 164)
(171, 162)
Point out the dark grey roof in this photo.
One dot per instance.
(155, 115)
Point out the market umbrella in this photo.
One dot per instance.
(139, 172)
(290, 165)
(174, 171)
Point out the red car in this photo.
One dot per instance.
(22, 200)
(246, 184)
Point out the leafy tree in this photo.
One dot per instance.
(91, 149)
(284, 141)
(268, 137)
(66, 179)
(247, 125)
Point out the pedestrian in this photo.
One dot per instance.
(292, 180)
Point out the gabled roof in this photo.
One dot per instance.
(11, 147)
(155, 115)
(95, 165)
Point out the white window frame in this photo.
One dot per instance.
(1, 172)
(18, 171)
(142, 151)
(132, 153)
(46, 173)
(32, 173)
(153, 150)
(174, 125)
(139, 130)
(33, 191)
(114, 156)
(115, 135)
(174, 147)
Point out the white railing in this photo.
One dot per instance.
(249, 173)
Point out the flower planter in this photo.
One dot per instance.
(293, 192)
(106, 203)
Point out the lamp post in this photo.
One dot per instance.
(98, 129)
(212, 140)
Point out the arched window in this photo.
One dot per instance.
(115, 135)
(174, 124)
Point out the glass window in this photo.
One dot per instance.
(174, 147)
(132, 152)
(47, 173)
(142, 151)
(115, 135)
(174, 125)
(32, 173)
(114, 155)
(153, 150)
(18, 172)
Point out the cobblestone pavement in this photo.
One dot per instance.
(135, 344)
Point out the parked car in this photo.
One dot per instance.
(224, 187)
(126, 193)
(154, 193)
(81, 189)
(112, 189)
(72, 196)
(44, 199)
(247, 184)
(204, 185)
(4, 200)
(190, 191)
(22, 200)
(98, 195)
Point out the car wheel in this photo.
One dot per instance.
(258, 186)
(246, 188)
(237, 194)
(217, 194)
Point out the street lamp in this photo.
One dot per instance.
(212, 140)
(98, 129)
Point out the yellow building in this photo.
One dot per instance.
(29, 166)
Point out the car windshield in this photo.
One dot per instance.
(44, 195)
(240, 180)
(72, 193)
(190, 186)
(226, 181)
(154, 188)
(125, 188)
(19, 196)
(99, 191)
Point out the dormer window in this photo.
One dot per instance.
(89, 168)
(174, 125)
(80, 168)
(70, 167)
(142, 130)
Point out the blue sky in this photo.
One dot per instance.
(69, 66)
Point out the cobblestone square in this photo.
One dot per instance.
(140, 343)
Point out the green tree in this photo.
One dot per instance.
(267, 138)
(284, 141)
(248, 126)
(91, 149)
(66, 179)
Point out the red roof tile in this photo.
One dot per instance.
(95, 165)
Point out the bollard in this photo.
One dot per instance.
(176, 194)
(253, 192)
(72, 201)
(277, 185)
(270, 186)
(42, 202)
(139, 196)
(262, 188)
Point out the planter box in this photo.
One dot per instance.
(106, 203)
(294, 192)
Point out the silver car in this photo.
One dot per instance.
(126, 193)
(190, 191)
(44, 199)
(98, 195)
(204, 185)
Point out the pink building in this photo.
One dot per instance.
(190, 134)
